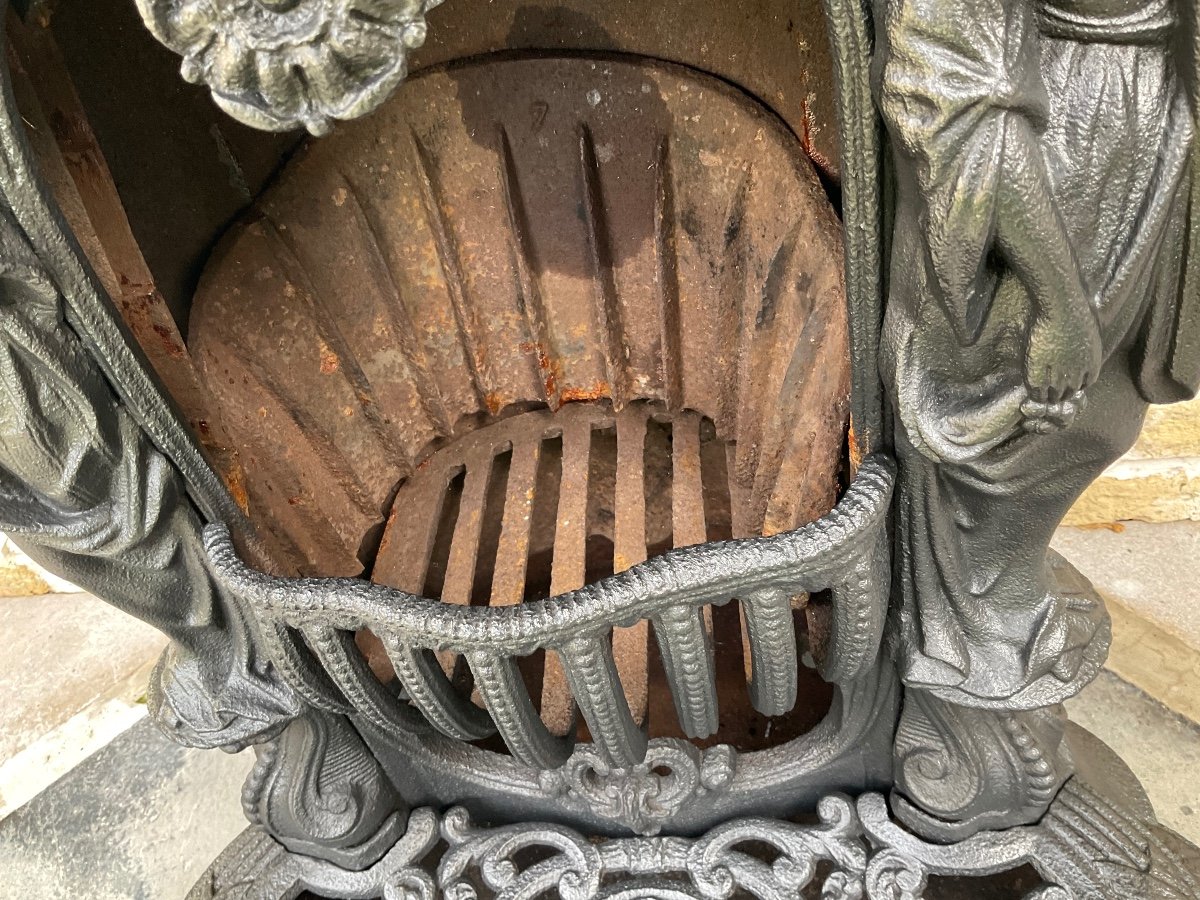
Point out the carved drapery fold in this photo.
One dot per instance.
(100, 480)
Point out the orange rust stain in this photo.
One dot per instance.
(494, 402)
(549, 367)
(1115, 527)
(598, 391)
(809, 122)
(169, 340)
(806, 117)
(329, 360)
(235, 481)
(856, 454)
(386, 540)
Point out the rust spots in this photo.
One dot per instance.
(386, 540)
(295, 501)
(598, 391)
(494, 402)
(170, 340)
(235, 481)
(329, 360)
(809, 128)
(549, 368)
(856, 454)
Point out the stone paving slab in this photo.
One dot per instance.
(1149, 575)
(73, 675)
(63, 652)
(141, 820)
(1161, 747)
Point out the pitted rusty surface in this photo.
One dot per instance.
(638, 247)
(775, 50)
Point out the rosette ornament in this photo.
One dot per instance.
(285, 64)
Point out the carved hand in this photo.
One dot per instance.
(1064, 352)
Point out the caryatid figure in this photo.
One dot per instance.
(1036, 299)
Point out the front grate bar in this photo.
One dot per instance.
(844, 552)
(769, 623)
(431, 691)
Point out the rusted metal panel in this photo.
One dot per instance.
(528, 232)
(624, 263)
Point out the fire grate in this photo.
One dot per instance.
(845, 552)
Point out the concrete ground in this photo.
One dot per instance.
(1149, 575)
(140, 820)
(73, 676)
(1162, 748)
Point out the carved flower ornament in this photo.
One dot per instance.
(283, 64)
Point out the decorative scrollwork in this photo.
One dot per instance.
(318, 790)
(717, 865)
(285, 64)
(643, 797)
(892, 875)
(718, 868)
(960, 770)
(854, 851)
(255, 865)
(574, 870)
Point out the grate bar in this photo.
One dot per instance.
(592, 674)
(685, 634)
(431, 691)
(687, 655)
(295, 664)
(687, 487)
(857, 630)
(498, 680)
(464, 545)
(349, 670)
(569, 569)
(771, 635)
(406, 571)
(512, 556)
(630, 644)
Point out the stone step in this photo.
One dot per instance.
(1149, 575)
(139, 820)
(1157, 481)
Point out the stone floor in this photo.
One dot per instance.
(1162, 748)
(1147, 574)
(140, 820)
(73, 676)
